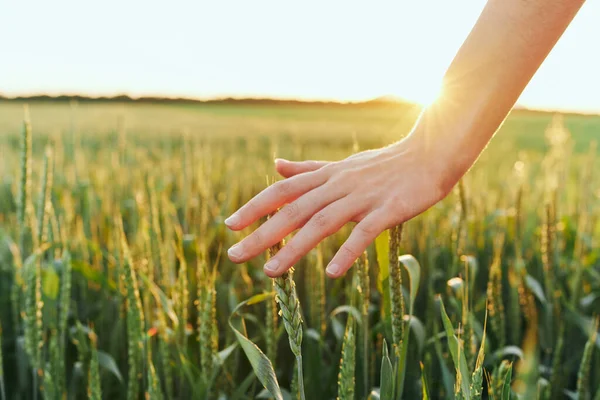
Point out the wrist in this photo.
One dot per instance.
(446, 145)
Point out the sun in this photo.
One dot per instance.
(421, 90)
(428, 92)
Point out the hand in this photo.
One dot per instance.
(378, 189)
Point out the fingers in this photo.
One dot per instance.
(287, 168)
(290, 217)
(362, 235)
(322, 224)
(273, 197)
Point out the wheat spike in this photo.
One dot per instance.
(33, 312)
(44, 200)
(289, 310)
(207, 324)
(396, 295)
(23, 203)
(289, 306)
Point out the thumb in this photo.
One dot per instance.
(287, 168)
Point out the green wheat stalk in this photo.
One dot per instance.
(2, 389)
(583, 376)
(315, 293)
(165, 358)
(80, 339)
(461, 231)
(476, 389)
(158, 256)
(294, 387)
(135, 319)
(63, 315)
(346, 376)
(94, 389)
(555, 386)
(494, 294)
(547, 253)
(53, 387)
(513, 313)
(182, 295)
(468, 336)
(364, 289)
(154, 392)
(271, 326)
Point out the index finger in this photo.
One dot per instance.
(273, 197)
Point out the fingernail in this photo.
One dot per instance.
(272, 265)
(333, 269)
(232, 220)
(235, 251)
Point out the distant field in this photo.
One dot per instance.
(372, 124)
(114, 282)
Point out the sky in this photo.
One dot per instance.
(311, 49)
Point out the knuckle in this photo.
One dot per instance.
(399, 208)
(341, 178)
(283, 188)
(349, 252)
(319, 220)
(330, 170)
(291, 211)
(365, 230)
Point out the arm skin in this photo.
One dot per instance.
(382, 188)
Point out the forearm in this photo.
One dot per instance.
(501, 54)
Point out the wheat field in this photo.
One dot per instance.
(114, 283)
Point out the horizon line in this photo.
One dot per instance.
(155, 97)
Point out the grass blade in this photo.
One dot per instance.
(458, 355)
(386, 384)
(260, 363)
